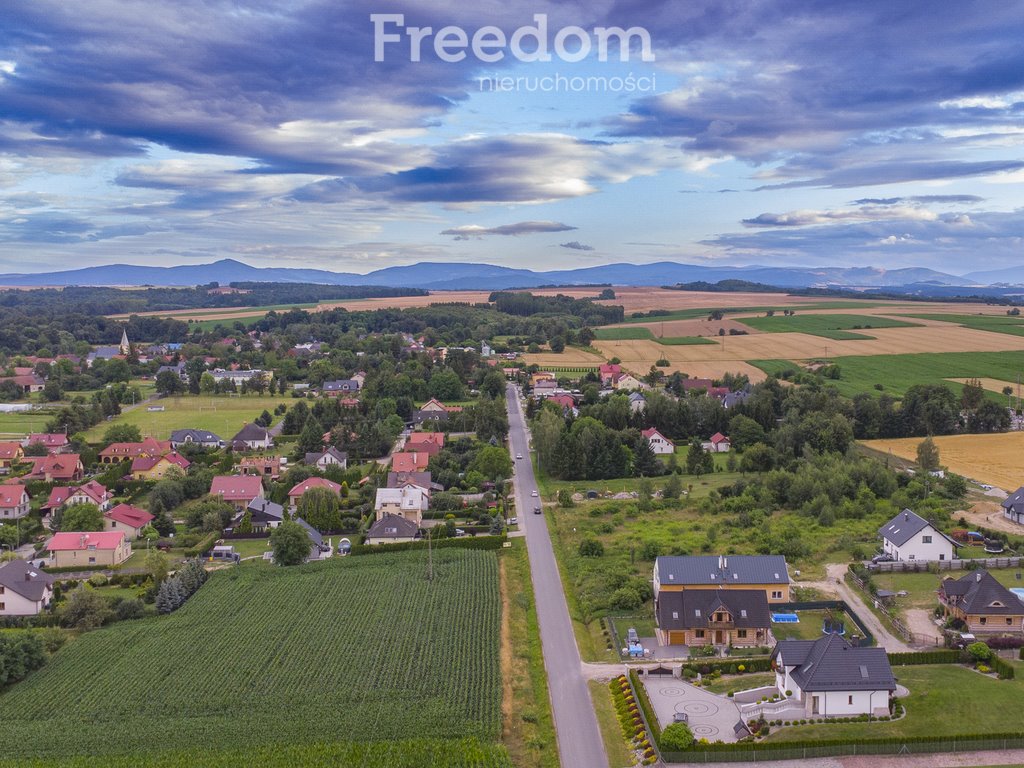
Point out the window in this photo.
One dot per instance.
(776, 594)
(910, 557)
(926, 539)
(700, 633)
(741, 633)
(849, 700)
(92, 559)
(2, 606)
(1009, 621)
(719, 617)
(942, 556)
(983, 620)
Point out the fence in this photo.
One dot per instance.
(840, 605)
(925, 566)
(909, 636)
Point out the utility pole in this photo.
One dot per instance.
(430, 556)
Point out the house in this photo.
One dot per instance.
(317, 549)
(178, 370)
(263, 466)
(408, 501)
(831, 678)
(637, 402)
(76, 548)
(608, 371)
(65, 467)
(718, 443)
(155, 467)
(104, 353)
(627, 381)
(252, 437)
(409, 461)
(240, 377)
(339, 387)
(237, 490)
(28, 383)
(693, 386)
(127, 519)
(392, 529)
(264, 514)
(565, 402)
(432, 416)
(197, 437)
(539, 376)
(90, 492)
(435, 405)
(909, 536)
(54, 442)
(299, 489)
(24, 589)
(118, 452)
(331, 457)
(736, 617)
(14, 501)
(10, 454)
(984, 604)
(430, 442)
(419, 479)
(732, 399)
(660, 445)
(1013, 507)
(767, 573)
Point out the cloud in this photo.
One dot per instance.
(805, 218)
(898, 172)
(470, 231)
(922, 199)
(576, 245)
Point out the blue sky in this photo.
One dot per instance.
(811, 133)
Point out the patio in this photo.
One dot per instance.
(711, 717)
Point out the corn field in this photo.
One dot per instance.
(354, 650)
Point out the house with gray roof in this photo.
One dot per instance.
(722, 617)
(908, 536)
(1013, 507)
(264, 514)
(689, 572)
(831, 678)
(392, 529)
(318, 550)
(332, 457)
(200, 438)
(339, 387)
(252, 437)
(24, 589)
(983, 603)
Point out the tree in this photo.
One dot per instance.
(972, 394)
(677, 737)
(311, 439)
(245, 524)
(169, 383)
(156, 564)
(493, 462)
(320, 508)
(85, 609)
(122, 433)
(82, 517)
(673, 488)
(208, 511)
(699, 461)
(290, 543)
(565, 498)
(927, 455)
(979, 651)
(52, 392)
(445, 384)
(207, 384)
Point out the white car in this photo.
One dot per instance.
(513, 521)
(533, 493)
(519, 455)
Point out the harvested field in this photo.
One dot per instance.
(570, 357)
(992, 385)
(992, 459)
(676, 328)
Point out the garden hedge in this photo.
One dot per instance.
(945, 656)
(475, 542)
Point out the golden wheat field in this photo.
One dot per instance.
(994, 459)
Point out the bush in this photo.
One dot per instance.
(1003, 668)
(677, 737)
(591, 547)
(979, 651)
(98, 580)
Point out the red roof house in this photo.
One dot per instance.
(57, 467)
(409, 461)
(127, 519)
(299, 489)
(237, 490)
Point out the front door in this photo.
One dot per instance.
(719, 639)
(814, 705)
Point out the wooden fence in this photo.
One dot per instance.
(926, 566)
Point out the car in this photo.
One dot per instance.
(881, 558)
(533, 492)
(519, 456)
(536, 510)
(459, 532)
(513, 521)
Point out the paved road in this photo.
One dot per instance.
(579, 738)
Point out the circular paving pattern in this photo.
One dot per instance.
(698, 708)
(671, 691)
(704, 731)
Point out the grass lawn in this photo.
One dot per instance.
(921, 587)
(733, 683)
(642, 623)
(626, 334)
(809, 626)
(20, 424)
(828, 326)
(222, 414)
(251, 547)
(897, 373)
(945, 699)
(608, 721)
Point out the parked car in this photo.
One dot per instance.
(881, 558)
(513, 521)
(459, 532)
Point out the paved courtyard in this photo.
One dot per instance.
(712, 717)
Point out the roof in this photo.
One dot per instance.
(313, 533)
(1017, 497)
(64, 465)
(236, 487)
(94, 490)
(265, 510)
(146, 463)
(393, 527)
(77, 540)
(194, 436)
(50, 440)
(980, 592)
(409, 461)
(832, 664)
(149, 445)
(721, 569)
(58, 495)
(693, 608)
(424, 438)
(250, 432)
(651, 432)
(340, 385)
(129, 515)
(422, 479)
(11, 494)
(411, 497)
(314, 457)
(10, 450)
(19, 576)
(718, 437)
(905, 526)
(314, 482)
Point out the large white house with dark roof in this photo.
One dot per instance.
(24, 589)
(831, 678)
(1013, 507)
(908, 536)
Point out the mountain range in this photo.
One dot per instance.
(454, 276)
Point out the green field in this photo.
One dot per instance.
(994, 323)
(897, 373)
(921, 587)
(944, 700)
(645, 334)
(222, 414)
(20, 424)
(351, 650)
(690, 314)
(828, 326)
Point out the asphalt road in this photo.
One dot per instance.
(579, 738)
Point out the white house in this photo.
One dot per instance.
(660, 444)
(14, 501)
(718, 443)
(1013, 507)
(24, 589)
(637, 402)
(409, 501)
(392, 529)
(831, 678)
(909, 536)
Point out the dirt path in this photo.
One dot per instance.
(919, 621)
(988, 514)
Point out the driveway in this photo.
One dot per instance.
(712, 717)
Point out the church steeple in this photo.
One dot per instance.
(125, 348)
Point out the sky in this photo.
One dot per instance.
(315, 134)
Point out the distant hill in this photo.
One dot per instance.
(455, 276)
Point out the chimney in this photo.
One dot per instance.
(82, 539)
(977, 577)
(721, 562)
(906, 514)
(28, 575)
(725, 561)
